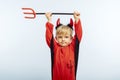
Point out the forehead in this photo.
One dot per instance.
(63, 31)
(63, 35)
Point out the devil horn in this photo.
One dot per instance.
(58, 22)
(71, 22)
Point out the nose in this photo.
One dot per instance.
(63, 38)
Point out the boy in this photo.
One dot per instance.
(64, 48)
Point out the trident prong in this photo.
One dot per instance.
(29, 13)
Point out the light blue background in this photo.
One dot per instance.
(24, 54)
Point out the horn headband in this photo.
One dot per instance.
(58, 24)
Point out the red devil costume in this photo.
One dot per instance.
(64, 59)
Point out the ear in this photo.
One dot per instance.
(72, 37)
(56, 37)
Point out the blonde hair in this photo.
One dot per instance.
(63, 30)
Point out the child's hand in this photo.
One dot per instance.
(48, 16)
(76, 16)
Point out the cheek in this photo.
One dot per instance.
(70, 40)
(58, 39)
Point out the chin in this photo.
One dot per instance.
(64, 45)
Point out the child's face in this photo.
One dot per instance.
(64, 40)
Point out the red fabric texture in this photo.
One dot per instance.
(64, 60)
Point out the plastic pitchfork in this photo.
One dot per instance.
(33, 13)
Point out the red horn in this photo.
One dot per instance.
(58, 22)
(71, 22)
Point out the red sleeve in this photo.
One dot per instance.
(49, 32)
(78, 30)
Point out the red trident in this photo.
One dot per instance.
(33, 13)
(29, 13)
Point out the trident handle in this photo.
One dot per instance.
(56, 13)
(31, 14)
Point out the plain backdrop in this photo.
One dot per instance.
(24, 54)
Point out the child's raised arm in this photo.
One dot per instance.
(49, 28)
(78, 26)
(48, 16)
(76, 16)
